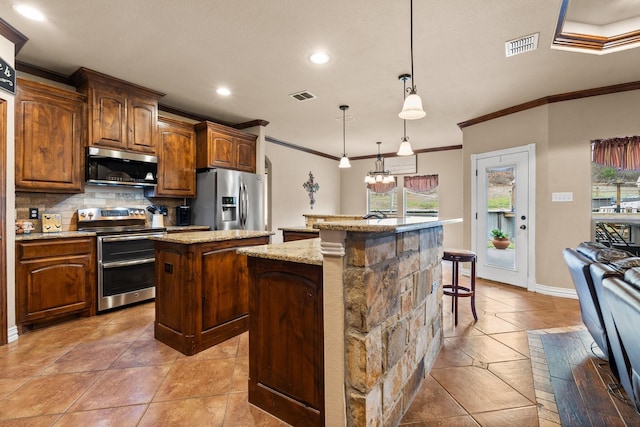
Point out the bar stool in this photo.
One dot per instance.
(457, 256)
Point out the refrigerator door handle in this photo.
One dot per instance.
(245, 205)
(241, 206)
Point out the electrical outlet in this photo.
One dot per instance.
(33, 213)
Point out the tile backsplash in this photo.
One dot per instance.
(67, 205)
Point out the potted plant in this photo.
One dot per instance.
(500, 239)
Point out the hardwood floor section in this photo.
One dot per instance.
(109, 370)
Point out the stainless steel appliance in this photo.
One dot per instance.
(229, 200)
(125, 254)
(113, 167)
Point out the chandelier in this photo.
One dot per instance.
(379, 175)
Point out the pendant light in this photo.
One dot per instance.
(344, 161)
(405, 146)
(412, 107)
(379, 174)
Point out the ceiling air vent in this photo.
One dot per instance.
(302, 96)
(521, 45)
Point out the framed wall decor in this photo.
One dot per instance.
(401, 164)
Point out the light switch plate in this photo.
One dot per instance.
(566, 196)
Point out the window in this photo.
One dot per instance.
(382, 202)
(420, 197)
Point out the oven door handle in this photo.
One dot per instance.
(116, 264)
(129, 237)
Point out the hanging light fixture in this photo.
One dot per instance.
(412, 107)
(405, 146)
(379, 174)
(344, 161)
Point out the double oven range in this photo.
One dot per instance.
(125, 254)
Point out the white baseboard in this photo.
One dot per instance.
(557, 292)
(12, 334)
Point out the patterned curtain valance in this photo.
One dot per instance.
(619, 153)
(381, 187)
(421, 183)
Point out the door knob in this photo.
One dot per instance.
(523, 227)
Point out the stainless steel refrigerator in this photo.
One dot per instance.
(229, 200)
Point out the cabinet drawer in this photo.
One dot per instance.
(54, 247)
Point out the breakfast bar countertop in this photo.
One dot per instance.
(299, 251)
(195, 237)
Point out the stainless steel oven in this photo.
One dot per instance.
(125, 255)
(126, 269)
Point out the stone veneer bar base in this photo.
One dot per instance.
(392, 302)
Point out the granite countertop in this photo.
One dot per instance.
(194, 237)
(300, 229)
(180, 228)
(58, 235)
(338, 216)
(386, 225)
(298, 251)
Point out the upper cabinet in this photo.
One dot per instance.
(50, 134)
(176, 160)
(219, 146)
(122, 115)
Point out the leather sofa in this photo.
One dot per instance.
(623, 299)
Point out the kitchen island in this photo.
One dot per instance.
(202, 287)
(344, 328)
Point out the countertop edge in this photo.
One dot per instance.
(388, 225)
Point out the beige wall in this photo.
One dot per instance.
(562, 132)
(289, 170)
(446, 164)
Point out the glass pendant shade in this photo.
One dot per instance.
(405, 148)
(412, 107)
(344, 162)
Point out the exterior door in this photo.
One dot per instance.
(503, 201)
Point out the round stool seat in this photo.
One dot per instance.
(454, 290)
(460, 255)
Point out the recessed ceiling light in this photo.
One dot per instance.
(319, 58)
(223, 91)
(29, 12)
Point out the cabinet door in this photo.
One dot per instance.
(142, 118)
(225, 286)
(49, 139)
(54, 278)
(176, 160)
(246, 154)
(109, 115)
(221, 150)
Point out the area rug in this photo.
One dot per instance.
(572, 381)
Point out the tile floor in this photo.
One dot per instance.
(108, 370)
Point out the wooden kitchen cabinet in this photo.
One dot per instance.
(176, 160)
(219, 146)
(286, 340)
(122, 115)
(55, 278)
(201, 290)
(50, 135)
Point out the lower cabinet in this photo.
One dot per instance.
(201, 293)
(286, 344)
(55, 278)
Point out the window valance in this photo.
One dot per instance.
(421, 183)
(619, 153)
(381, 187)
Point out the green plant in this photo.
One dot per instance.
(499, 234)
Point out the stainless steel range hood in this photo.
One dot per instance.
(123, 168)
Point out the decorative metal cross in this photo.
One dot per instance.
(311, 188)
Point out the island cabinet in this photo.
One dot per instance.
(49, 138)
(55, 278)
(224, 147)
(176, 160)
(122, 115)
(202, 288)
(286, 344)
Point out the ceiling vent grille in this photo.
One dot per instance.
(303, 96)
(521, 45)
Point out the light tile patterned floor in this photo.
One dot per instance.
(109, 369)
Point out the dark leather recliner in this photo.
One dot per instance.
(623, 298)
(589, 306)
